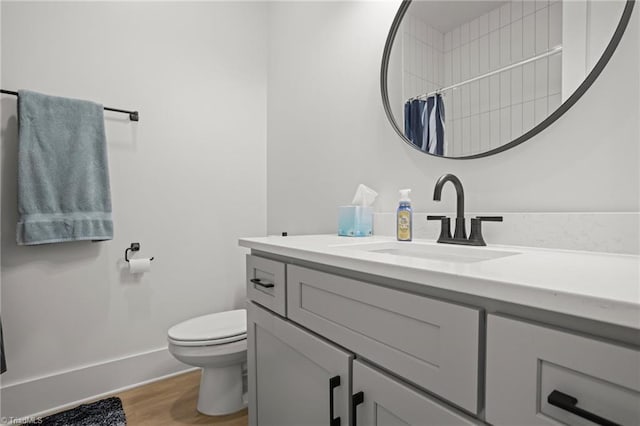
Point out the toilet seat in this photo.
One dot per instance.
(212, 342)
(210, 330)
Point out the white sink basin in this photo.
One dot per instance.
(431, 251)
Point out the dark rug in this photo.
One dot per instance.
(106, 412)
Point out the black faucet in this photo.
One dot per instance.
(460, 233)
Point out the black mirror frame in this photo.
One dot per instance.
(593, 75)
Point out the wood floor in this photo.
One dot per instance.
(172, 402)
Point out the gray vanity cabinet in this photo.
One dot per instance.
(298, 378)
(318, 337)
(389, 402)
(294, 375)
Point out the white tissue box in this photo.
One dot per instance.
(355, 221)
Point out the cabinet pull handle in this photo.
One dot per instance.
(334, 382)
(257, 281)
(356, 400)
(568, 403)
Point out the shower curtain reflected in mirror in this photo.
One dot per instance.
(424, 124)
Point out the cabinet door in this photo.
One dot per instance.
(295, 378)
(542, 376)
(389, 402)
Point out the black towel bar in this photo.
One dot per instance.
(133, 115)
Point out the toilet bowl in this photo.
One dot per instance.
(217, 343)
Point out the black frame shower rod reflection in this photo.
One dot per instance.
(133, 115)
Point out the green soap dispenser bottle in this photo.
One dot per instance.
(404, 217)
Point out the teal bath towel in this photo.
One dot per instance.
(63, 176)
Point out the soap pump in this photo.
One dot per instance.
(404, 217)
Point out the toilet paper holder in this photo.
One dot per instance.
(134, 247)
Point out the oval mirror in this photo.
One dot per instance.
(467, 79)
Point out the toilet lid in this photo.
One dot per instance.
(221, 325)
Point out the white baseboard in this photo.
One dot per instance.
(45, 395)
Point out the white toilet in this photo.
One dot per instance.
(218, 344)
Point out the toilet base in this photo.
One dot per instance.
(221, 390)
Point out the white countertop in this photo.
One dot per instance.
(599, 286)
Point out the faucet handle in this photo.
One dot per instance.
(475, 238)
(489, 218)
(445, 227)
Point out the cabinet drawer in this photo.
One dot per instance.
(433, 344)
(527, 362)
(387, 401)
(266, 283)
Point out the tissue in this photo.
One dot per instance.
(364, 197)
(356, 220)
(139, 266)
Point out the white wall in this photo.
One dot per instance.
(327, 131)
(187, 181)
